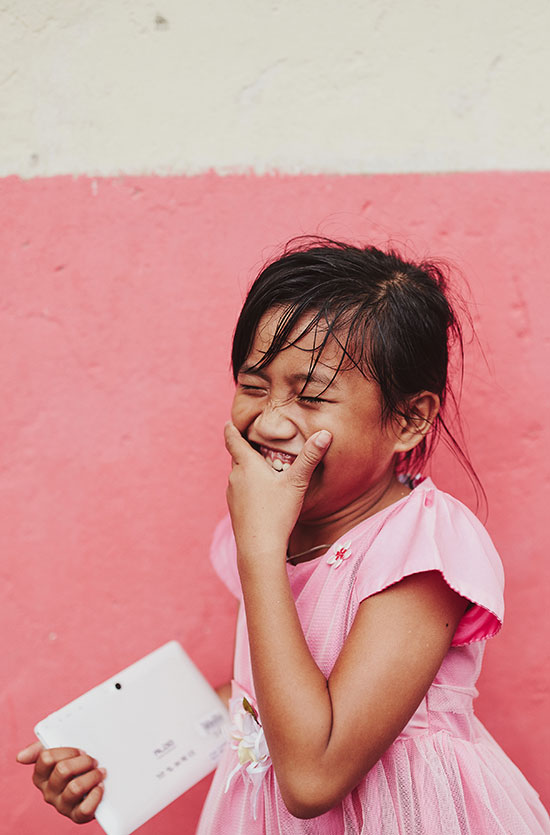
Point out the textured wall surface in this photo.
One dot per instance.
(118, 302)
(189, 134)
(132, 86)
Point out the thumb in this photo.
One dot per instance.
(312, 453)
(29, 754)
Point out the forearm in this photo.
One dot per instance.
(293, 697)
(292, 693)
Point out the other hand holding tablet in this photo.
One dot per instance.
(69, 779)
(158, 728)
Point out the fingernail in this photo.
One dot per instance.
(103, 771)
(323, 439)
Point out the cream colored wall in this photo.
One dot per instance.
(133, 86)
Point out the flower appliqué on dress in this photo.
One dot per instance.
(341, 553)
(248, 740)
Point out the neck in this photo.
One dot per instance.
(309, 534)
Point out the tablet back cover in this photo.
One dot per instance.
(157, 727)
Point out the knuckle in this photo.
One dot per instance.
(46, 759)
(298, 480)
(75, 788)
(62, 769)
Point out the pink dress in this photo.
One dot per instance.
(444, 774)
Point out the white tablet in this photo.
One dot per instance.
(158, 728)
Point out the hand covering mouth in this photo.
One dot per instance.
(279, 460)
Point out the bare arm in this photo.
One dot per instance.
(324, 736)
(224, 690)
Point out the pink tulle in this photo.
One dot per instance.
(444, 774)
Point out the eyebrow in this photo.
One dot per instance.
(313, 377)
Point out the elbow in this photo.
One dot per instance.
(307, 799)
(311, 792)
(306, 812)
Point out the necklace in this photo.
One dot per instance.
(290, 557)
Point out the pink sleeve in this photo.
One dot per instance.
(433, 531)
(223, 556)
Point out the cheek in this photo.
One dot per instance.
(331, 467)
(235, 414)
(348, 457)
(241, 413)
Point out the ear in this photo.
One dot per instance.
(423, 409)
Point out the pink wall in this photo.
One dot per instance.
(118, 299)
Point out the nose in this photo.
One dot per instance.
(273, 422)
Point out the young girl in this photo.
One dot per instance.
(367, 594)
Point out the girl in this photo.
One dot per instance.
(367, 593)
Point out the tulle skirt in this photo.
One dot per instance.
(430, 783)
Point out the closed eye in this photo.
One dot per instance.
(302, 398)
(251, 389)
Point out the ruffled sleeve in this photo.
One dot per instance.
(431, 530)
(223, 556)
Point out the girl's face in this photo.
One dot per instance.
(276, 414)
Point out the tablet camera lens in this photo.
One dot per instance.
(118, 685)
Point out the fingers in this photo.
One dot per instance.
(320, 441)
(85, 812)
(67, 772)
(75, 800)
(235, 444)
(238, 447)
(29, 754)
(49, 758)
(311, 455)
(69, 779)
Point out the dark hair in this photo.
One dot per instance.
(393, 319)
